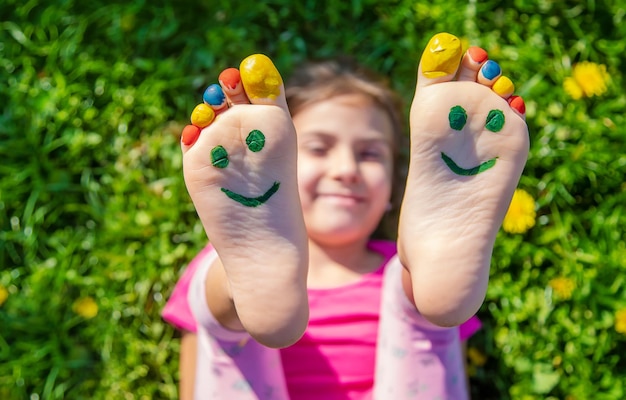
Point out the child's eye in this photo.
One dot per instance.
(371, 154)
(316, 149)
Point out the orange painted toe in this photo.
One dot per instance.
(230, 78)
(190, 135)
(517, 103)
(477, 54)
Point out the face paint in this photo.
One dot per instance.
(252, 201)
(260, 77)
(467, 171)
(219, 159)
(255, 141)
(441, 56)
(457, 118)
(495, 121)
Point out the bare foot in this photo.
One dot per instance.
(469, 144)
(240, 172)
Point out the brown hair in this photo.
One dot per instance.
(320, 80)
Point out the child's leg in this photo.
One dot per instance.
(469, 144)
(241, 175)
(414, 358)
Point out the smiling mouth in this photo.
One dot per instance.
(252, 201)
(342, 197)
(454, 167)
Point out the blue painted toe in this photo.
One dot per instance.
(491, 70)
(213, 95)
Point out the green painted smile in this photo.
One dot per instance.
(457, 119)
(454, 167)
(219, 159)
(252, 201)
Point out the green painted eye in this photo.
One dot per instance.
(495, 120)
(457, 117)
(219, 157)
(255, 140)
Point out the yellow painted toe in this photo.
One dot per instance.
(441, 56)
(504, 87)
(260, 77)
(202, 115)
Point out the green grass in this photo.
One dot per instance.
(92, 202)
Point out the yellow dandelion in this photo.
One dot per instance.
(86, 307)
(572, 88)
(4, 295)
(620, 321)
(588, 79)
(521, 214)
(563, 287)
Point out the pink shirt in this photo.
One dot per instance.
(177, 311)
(335, 359)
(336, 356)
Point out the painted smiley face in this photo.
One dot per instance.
(457, 119)
(219, 159)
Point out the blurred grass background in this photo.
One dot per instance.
(96, 224)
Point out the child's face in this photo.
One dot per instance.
(344, 168)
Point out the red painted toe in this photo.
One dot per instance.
(477, 54)
(517, 103)
(190, 135)
(230, 78)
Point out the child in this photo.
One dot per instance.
(292, 241)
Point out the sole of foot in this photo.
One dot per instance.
(469, 145)
(239, 163)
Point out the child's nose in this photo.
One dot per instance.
(345, 166)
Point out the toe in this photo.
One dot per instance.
(262, 81)
(202, 115)
(489, 73)
(189, 136)
(214, 96)
(440, 59)
(518, 105)
(504, 87)
(473, 60)
(230, 81)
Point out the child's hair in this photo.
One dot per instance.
(320, 80)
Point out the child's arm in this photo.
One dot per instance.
(219, 298)
(187, 367)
